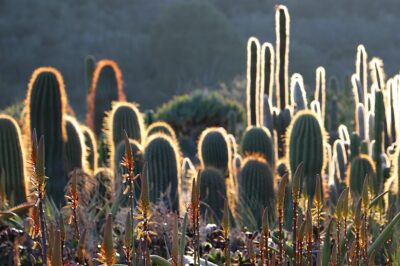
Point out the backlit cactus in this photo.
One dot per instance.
(75, 147)
(91, 148)
(282, 31)
(212, 193)
(162, 160)
(253, 81)
(320, 90)
(361, 122)
(281, 123)
(46, 106)
(362, 69)
(123, 117)
(306, 140)
(267, 72)
(161, 127)
(256, 187)
(359, 168)
(379, 128)
(297, 93)
(258, 140)
(107, 86)
(214, 150)
(12, 161)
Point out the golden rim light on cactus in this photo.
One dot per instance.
(92, 95)
(152, 129)
(89, 132)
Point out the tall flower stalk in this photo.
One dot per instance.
(194, 213)
(296, 195)
(73, 203)
(280, 196)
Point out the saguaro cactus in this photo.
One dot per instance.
(258, 140)
(12, 161)
(306, 140)
(91, 148)
(267, 65)
(123, 117)
(214, 150)
(75, 147)
(253, 81)
(256, 187)
(282, 30)
(46, 104)
(107, 86)
(212, 193)
(162, 159)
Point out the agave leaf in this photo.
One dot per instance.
(40, 168)
(144, 195)
(365, 193)
(128, 239)
(383, 236)
(358, 214)
(377, 199)
(280, 195)
(326, 248)
(56, 258)
(264, 221)
(318, 192)
(175, 243)
(182, 243)
(80, 252)
(226, 219)
(62, 228)
(297, 180)
(108, 254)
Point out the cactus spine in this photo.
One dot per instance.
(306, 141)
(107, 86)
(282, 30)
(320, 89)
(46, 104)
(214, 150)
(212, 193)
(12, 161)
(258, 140)
(91, 148)
(256, 187)
(162, 159)
(75, 147)
(253, 82)
(161, 127)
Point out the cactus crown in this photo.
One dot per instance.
(73, 127)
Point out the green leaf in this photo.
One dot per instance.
(326, 248)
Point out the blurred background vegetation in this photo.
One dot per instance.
(170, 47)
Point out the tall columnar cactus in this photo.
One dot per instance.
(46, 106)
(282, 30)
(258, 140)
(161, 127)
(320, 89)
(340, 159)
(358, 90)
(12, 161)
(297, 93)
(90, 65)
(123, 117)
(362, 69)
(379, 126)
(267, 62)
(91, 148)
(162, 160)
(256, 188)
(137, 154)
(253, 81)
(333, 115)
(214, 150)
(306, 141)
(360, 167)
(107, 86)
(267, 114)
(361, 123)
(232, 119)
(355, 143)
(281, 123)
(377, 73)
(75, 148)
(212, 193)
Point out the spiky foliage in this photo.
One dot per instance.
(107, 254)
(282, 31)
(123, 117)
(12, 161)
(253, 81)
(297, 92)
(90, 65)
(107, 86)
(267, 71)
(161, 127)
(212, 193)
(320, 89)
(213, 148)
(258, 140)
(91, 148)
(46, 106)
(306, 142)
(137, 155)
(256, 187)
(162, 159)
(75, 148)
(360, 166)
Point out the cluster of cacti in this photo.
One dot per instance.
(296, 168)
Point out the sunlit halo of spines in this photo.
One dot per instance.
(89, 132)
